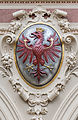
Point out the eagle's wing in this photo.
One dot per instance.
(52, 50)
(24, 49)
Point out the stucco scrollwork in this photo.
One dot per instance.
(64, 24)
(71, 49)
(14, 26)
(70, 41)
(37, 100)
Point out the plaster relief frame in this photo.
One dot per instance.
(38, 99)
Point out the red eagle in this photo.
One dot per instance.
(38, 50)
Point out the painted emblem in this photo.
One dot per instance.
(38, 54)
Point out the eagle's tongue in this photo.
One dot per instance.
(32, 36)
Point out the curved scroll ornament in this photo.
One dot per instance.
(71, 60)
(38, 100)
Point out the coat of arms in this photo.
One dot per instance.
(38, 54)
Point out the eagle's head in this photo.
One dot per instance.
(37, 34)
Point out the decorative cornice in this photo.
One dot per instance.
(39, 1)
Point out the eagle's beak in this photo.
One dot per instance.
(32, 35)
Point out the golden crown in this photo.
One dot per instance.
(39, 30)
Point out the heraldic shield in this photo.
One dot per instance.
(39, 54)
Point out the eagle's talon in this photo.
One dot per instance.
(42, 72)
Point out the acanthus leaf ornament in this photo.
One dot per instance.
(36, 99)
